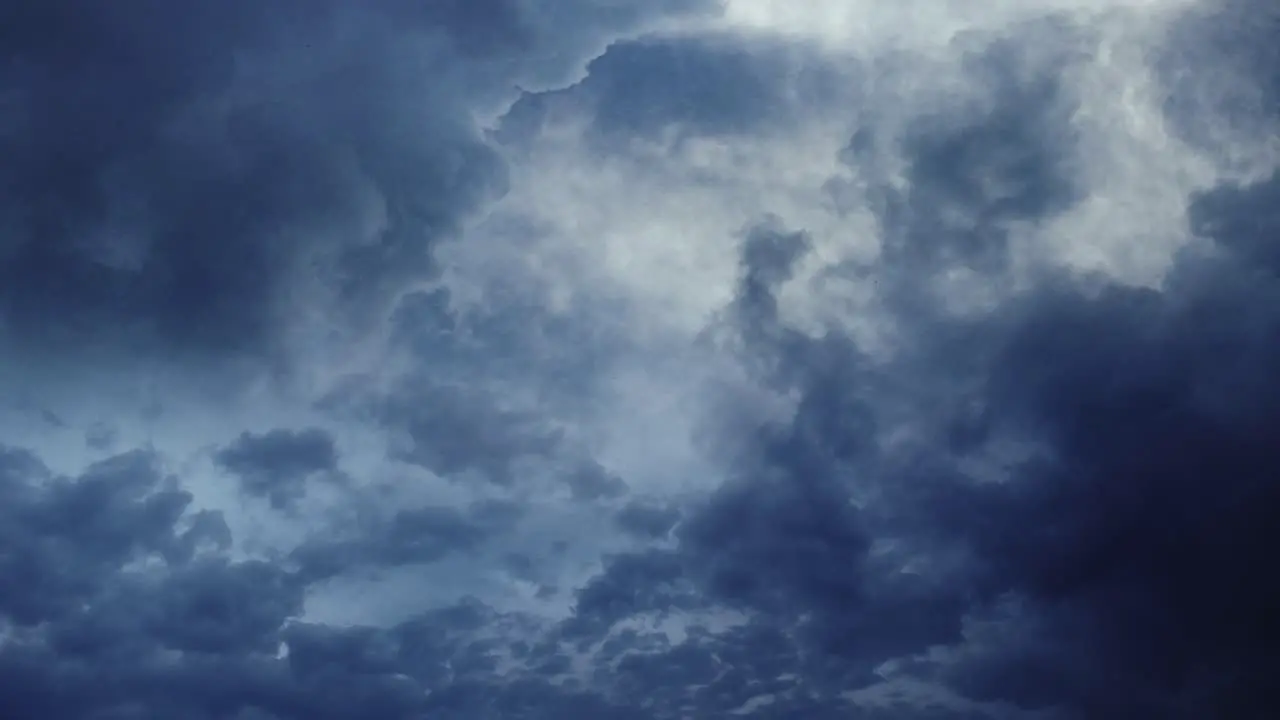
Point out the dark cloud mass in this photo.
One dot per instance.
(406, 537)
(649, 521)
(1144, 526)
(723, 88)
(192, 178)
(1060, 500)
(1123, 560)
(276, 464)
(175, 176)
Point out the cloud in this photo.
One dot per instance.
(188, 212)
(1133, 536)
(450, 433)
(728, 86)
(639, 360)
(277, 464)
(647, 521)
(407, 537)
(907, 531)
(248, 177)
(65, 536)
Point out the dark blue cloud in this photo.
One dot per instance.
(1245, 218)
(139, 209)
(1221, 75)
(968, 177)
(634, 583)
(181, 187)
(176, 181)
(451, 431)
(1065, 503)
(66, 536)
(1118, 569)
(277, 464)
(116, 605)
(695, 85)
(1142, 525)
(414, 536)
(647, 521)
(642, 86)
(445, 420)
(1128, 545)
(592, 481)
(514, 334)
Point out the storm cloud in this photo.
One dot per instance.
(540, 359)
(277, 464)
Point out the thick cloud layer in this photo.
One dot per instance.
(175, 172)
(202, 178)
(524, 359)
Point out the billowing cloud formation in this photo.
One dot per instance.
(203, 178)
(524, 359)
(185, 174)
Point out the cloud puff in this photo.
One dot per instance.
(276, 464)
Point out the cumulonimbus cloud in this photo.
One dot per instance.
(755, 359)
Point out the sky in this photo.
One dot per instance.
(639, 359)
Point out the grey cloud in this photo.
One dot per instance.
(697, 85)
(528, 698)
(721, 87)
(647, 521)
(192, 635)
(592, 481)
(89, 627)
(1005, 156)
(1119, 561)
(208, 607)
(1117, 568)
(1243, 218)
(769, 256)
(192, 183)
(1140, 528)
(1220, 71)
(453, 430)
(65, 536)
(216, 607)
(779, 543)
(277, 464)
(100, 436)
(469, 432)
(178, 193)
(715, 674)
(786, 540)
(1115, 572)
(444, 652)
(406, 537)
(513, 335)
(631, 584)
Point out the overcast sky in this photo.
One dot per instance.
(639, 359)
